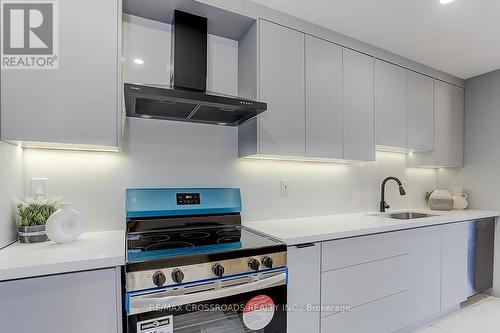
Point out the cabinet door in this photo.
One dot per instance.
(454, 264)
(359, 120)
(282, 126)
(303, 287)
(448, 125)
(425, 277)
(324, 123)
(78, 303)
(77, 103)
(420, 112)
(391, 102)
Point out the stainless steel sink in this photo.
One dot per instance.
(407, 215)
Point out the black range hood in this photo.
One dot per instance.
(187, 99)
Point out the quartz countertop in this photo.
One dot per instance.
(323, 228)
(93, 250)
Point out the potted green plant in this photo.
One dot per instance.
(33, 213)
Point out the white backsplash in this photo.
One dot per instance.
(160, 153)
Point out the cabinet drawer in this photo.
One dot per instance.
(361, 284)
(354, 251)
(382, 316)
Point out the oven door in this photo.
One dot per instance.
(249, 303)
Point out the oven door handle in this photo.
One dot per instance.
(148, 303)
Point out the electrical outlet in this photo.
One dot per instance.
(284, 187)
(39, 187)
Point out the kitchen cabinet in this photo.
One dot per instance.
(303, 263)
(329, 102)
(390, 280)
(77, 104)
(425, 260)
(319, 97)
(391, 105)
(80, 302)
(381, 316)
(448, 129)
(420, 112)
(282, 127)
(404, 109)
(324, 107)
(454, 265)
(449, 124)
(359, 117)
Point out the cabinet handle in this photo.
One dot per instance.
(301, 246)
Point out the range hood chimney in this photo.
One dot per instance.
(186, 99)
(188, 53)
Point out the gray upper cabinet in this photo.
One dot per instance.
(391, 96)
(282, 127)
(330, 102)
(449, 121)
(420, 112)
(448, 129)
(319, 97)
(324, 114)
(79, 102)
(404, 109)
(359, 117)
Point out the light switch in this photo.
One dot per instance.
(39, 187)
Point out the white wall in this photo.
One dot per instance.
(162, 153)
(11, 185)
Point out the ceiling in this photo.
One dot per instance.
(461, 38)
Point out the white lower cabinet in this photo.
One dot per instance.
(80, 302)
(425, 260)
(304, 263)
(388, 281)
(381, 316)
(454, 264)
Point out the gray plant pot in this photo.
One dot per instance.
(32, 234)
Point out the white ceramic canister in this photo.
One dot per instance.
(459, 198)
(65, 225)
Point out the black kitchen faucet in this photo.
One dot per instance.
(383, 204)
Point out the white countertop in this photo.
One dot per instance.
(93, 250)
(323, 228)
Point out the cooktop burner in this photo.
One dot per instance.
(195, 235)
(228, 232)
(180, 246)
(164, 244)
(154, 238)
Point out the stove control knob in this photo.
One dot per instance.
(218, 270)
(254, 264)
(177, 275)
(159, 279)
(267, 262)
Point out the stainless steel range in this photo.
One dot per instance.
(191, 266)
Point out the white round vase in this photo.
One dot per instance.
(65, 225)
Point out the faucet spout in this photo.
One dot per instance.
(383, 204)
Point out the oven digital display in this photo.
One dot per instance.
(188, 199)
